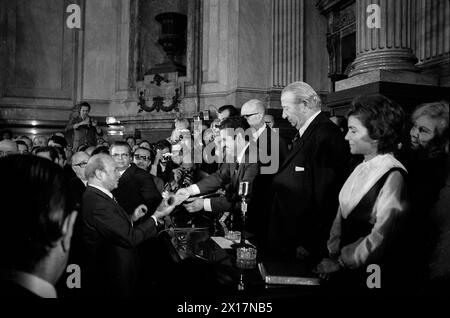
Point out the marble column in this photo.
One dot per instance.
(388, 47)
(287, 47)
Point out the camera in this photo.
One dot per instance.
(167, 156)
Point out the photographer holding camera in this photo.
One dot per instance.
(163, 164)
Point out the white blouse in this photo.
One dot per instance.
(390, 204)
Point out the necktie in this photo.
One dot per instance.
(296, 137)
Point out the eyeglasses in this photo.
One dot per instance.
(120, 155)
(249, 115)
(80, 164)
(137, 157)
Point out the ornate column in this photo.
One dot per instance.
(287, 47)
(389, 46)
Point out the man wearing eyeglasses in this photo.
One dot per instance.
(270, 150)
(135, 187)
(142, 158)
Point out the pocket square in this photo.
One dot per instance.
(299, 169)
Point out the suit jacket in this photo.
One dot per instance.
(306, 190)
(229, 175)
(137, 187)
(77, 189)
(110, 266)
(261, 200)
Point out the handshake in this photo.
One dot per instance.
(182, 195)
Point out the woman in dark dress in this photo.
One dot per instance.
(373, 206)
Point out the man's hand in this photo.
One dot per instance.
(165, 207)
(139, 212)
(182, 195)
(326, 267)
(194, 205)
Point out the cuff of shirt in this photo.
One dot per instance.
(207, 205)
(156, 220)
(194, 189)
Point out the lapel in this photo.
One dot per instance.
(127, 175)
(111, 201)
(298, 145)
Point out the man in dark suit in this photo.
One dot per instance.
(135, 185)
(308, 182)
(235, 169)
(36, 231)
(110, 234)
(270, 149)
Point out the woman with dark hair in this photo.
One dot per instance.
(372, 202)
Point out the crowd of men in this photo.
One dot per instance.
(126, 192)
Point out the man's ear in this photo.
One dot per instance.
(98, 174)
(67, 230)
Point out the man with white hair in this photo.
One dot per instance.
(308, 182)
(271, 149)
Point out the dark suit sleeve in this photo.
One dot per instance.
(216, 180)
(330, 171)
(72, 121)
(147, 188)
(116, 229)
(283, 150)
(223, 204)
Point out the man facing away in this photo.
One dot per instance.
(36, 232)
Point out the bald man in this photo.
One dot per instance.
(8, 147)
(270, 150)
(110, 235)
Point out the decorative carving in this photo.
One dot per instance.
(158, 79)
(163, 91)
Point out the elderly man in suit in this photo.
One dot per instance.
(237, 168)
(135, 185)
(271, 149)
(110, 235)
(308, 182)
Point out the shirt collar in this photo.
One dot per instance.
(35, 284)
(257, 133)
(104, 190)
(307, 123)
(123, 171)
(240, 156)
